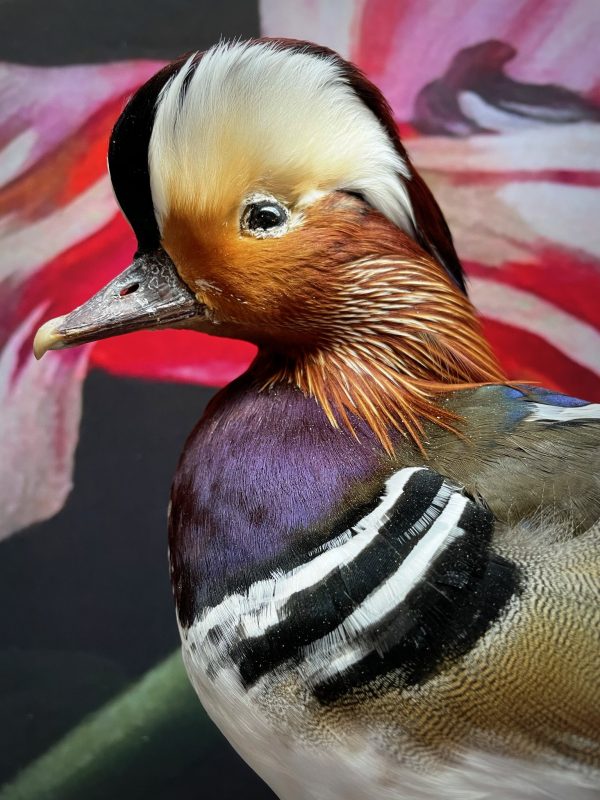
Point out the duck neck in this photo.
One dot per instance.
(396, 335)
(262, 479)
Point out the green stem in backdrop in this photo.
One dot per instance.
(154, 729)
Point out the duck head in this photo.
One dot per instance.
(273, 201)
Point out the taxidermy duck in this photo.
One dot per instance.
(384, 556)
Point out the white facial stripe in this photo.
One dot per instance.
(540, 412)
(256, 116)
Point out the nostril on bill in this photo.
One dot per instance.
(133, 287)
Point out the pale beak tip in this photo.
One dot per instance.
(48, 337)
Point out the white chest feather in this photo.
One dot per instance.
(355, 767)
(259, 658)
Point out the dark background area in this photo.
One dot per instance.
(86, 601)
(86, 596)
(68, 31)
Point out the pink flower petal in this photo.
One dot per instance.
(39, 428)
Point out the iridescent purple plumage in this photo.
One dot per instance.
(259, 472)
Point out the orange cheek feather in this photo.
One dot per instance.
(361, 317)
(273, 286)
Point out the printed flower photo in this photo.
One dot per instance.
(498, 106)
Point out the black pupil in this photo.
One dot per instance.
(263, 216)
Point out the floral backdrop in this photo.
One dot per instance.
(499, 107)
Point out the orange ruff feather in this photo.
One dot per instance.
(399, 335)
(346, 307)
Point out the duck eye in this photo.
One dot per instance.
(264, 217)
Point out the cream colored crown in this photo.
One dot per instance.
(259, 117)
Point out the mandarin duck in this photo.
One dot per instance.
(383, 554)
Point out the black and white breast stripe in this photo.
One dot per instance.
(404, 563)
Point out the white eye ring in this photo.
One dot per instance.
(264, 216)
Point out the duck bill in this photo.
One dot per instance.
(149, 294)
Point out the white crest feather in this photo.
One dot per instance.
(257, 116)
